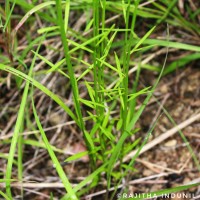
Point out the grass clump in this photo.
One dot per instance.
(100, 57)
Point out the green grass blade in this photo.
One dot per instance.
(73, 80)
(181, 62)
(41, 87)
(4, 196)
(59, 169)
(167, 11)
(8, 14)
(15, 138)
(67, 8)
(53, 67)
(141, 41)
(176, 45)
(30, 12)
(40, 144)
(76, 156)
(47, 29)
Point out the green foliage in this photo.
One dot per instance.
(99, 58)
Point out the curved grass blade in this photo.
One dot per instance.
(41, 87)
(54, 159)
(16, 138)
(30, 12)
(4, 195)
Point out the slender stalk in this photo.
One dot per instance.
(132, 103)
(125, 71)
(20, 156)
(73, 80)
(96, 52)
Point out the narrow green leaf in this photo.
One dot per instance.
(54, 159)
(176, 45)
(53, 67)
(143, 91)
(47, 29)
(181, 62)
(16, 138)
(76, 156)
(67, 8)
(41, 87)
(141, 41)
(33, 10)
(4, 195)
